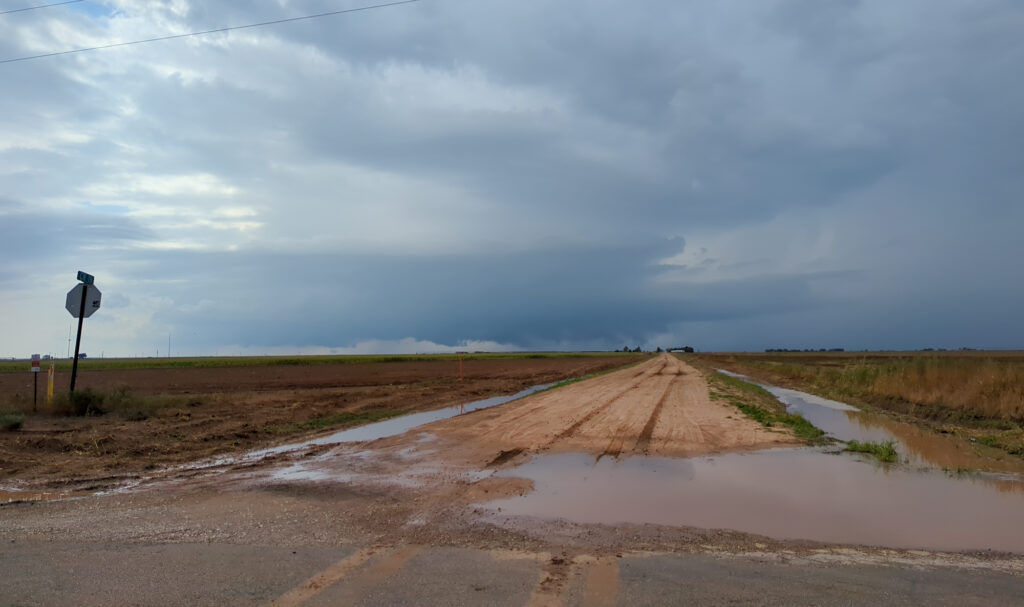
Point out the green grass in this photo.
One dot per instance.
(970, 394)
(268, 361)
(801, 427)
(885, 452)
(11, 421)
(759, 405)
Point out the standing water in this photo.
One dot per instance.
(801, 493)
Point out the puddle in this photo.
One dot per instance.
(401, 425)
(917, 446)
(785, 493)
(805, 493)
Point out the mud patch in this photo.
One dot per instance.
(504, 456)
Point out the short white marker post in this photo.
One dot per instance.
(35, 381)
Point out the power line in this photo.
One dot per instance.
(213, 31)
(32, 8)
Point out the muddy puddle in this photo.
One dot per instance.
(928, 501)
(397, 425)
(917, 446)
(801, 494)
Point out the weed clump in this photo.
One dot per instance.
(11, 421)
(884, 452)
(759, 405)
(86, 402)
(801, 427)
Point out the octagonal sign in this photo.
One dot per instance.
(92, 300)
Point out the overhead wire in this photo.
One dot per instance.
(212, 31)
(32, 8)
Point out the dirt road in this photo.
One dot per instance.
(659, 407)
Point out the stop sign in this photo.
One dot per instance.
(92, 300)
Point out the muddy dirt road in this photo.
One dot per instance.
(659, 407)
(404, 520)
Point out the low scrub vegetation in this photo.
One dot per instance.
(976, 384)
(972, 394)
(119, 401)
(758, 404)
(269, 361)
(11, 421)
(884, 452)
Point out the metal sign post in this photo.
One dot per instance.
(82, 301)
(35, 382)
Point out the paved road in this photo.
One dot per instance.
(72, 573)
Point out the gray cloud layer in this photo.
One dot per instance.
(578, 174)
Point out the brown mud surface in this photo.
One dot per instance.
(660, 407)
(393, 498)
(233, 410)
(427, 487)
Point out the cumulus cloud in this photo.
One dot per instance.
(727, 174)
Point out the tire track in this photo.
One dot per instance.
(643, 442)
(530, 408)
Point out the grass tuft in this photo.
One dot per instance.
(884, 452)
(120, 401)
(759, 405)
(11, 421)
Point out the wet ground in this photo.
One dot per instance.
(945, 494)
(917, 446)
(783, 494)
(547, 500)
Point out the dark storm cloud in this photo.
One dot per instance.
(843, 173)
(577, 296)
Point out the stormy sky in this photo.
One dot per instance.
(496, 174)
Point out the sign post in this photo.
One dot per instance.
(35, 382)
(82, 301)
(49, 384)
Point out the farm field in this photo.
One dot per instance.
(976, 394)
(144, 417)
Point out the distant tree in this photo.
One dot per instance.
(659, 350)
(688, 349)
(637, 349)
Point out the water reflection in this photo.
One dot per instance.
(919, 446)
(785, 493)
(398, 425)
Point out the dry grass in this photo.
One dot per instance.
(981, 385)
(976, 395)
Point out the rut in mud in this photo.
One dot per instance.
(660, 407)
